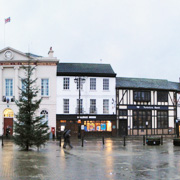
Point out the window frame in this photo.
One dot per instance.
(105, 84)
(105, 106)
(161, 95)
(66, 83)
(9, 87)
(66, 106)
(142, 96)
(140, 119)
(92, 106)
(45, 87)
(92, 83)
(160, 120)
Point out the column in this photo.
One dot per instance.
(1, 83)
(16, 84)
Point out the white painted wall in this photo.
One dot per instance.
(86, 94)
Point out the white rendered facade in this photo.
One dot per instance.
(11, 61)
(96, 98)
(86, 94)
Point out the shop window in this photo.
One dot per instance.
(97, 126)
(162, 96)
(162, 119)
(142, 96)
(140, 118)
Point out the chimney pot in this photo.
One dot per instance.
(51, 52)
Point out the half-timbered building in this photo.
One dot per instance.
(146, 106)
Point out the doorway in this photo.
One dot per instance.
(123, 127)
(8, 121)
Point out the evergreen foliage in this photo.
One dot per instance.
(29, 130)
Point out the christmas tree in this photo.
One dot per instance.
(30, 129)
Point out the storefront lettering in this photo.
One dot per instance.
(148, 107)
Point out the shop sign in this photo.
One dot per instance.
(148, 107)
(92, 117)
(82, 117)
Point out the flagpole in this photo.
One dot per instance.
(4, 33)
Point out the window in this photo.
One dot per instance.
(45, 114)
(92, 83)
(162, 96)
(93, 106)
(122, 112)
(9, 87)
(97, 126)
(44, 87)
(142, 96)
(105, 84)
(81, 106)
(140, 118)
(105, 106)
(66, 105)
(66, 83)
(162, 119)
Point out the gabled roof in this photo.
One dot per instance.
(143, 83)
(85, 69)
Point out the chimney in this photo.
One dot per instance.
(50, 52)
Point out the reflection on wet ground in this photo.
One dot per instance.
(93, 161)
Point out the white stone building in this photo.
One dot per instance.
(11, 61)
(97, 98)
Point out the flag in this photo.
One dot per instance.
(7, 20)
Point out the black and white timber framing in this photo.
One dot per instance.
(146, 106)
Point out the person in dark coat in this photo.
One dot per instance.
(67, 136)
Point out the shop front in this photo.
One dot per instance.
(88, 126)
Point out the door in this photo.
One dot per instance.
(8, 123)
(123, 127)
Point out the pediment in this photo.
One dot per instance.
(9, 54)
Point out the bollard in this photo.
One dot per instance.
(82, 142)
(2, 141)
(60, 141)
(144, 140)
(161, 140)
(124, 140)
(103, 140)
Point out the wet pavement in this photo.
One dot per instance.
(94, 161)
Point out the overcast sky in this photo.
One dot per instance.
(139, 38)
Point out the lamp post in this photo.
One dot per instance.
(79, 82)
(146, 127)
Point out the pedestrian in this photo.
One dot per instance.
(7, 131)
(67, 136)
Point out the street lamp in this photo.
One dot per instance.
(79, 82)
(146, 127)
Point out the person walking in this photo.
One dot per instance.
(67, 136)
